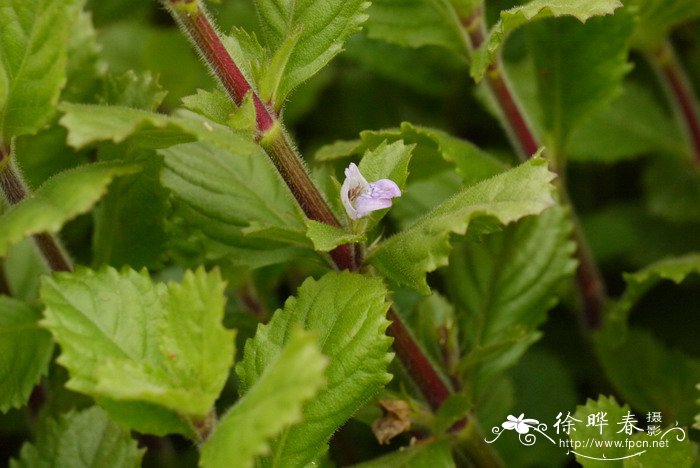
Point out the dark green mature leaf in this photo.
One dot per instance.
(436, 454)
(25, 351)
(33, 44)
(84, 69)
(129, 340)
(406, 257)
(237, 202)
(579, 68)
(658, 17)
(673, 189)
(274, 402)
(348, 312)
(515, 17)
(504, 285)
(86, 439)
(417, 23)
(303, 37)
(630, 126)
(59, 200)
(639, 283)
(666, 382)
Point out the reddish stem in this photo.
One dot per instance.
(680, 93)
(589, 282)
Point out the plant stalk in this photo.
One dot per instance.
(14, 190)
(680, 93)
(590, 285)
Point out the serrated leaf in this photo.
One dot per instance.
(321, 27)
(407, 257)
(657, 18)
(59, 200)
(614, 414)
(579, 68)
(417, 23)
(136, 91)
(25, 351)
(33, 44)
(504, 285)
(247, 52)
(274, 402)
(436, 454)
(214, 105)
(679, 453)
(630, 126)
(86, 439)
(128, 339)
(348, 313)
(515, 17)
(90, 124)
(266, 226)
(326, 237)
(639, 283)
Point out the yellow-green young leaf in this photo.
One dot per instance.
(579, 68)
(504, 285)
(417, 23)
(681, 452)
(517, 16)
(407, 256)
(326, 237)
(127, 339)
(59, 200)
(25, 351)
(433, 453)
(90, 124)
(266, 226)
(86, 439)
(666, 382)
(657, 18)
(613, 415)
(274, 402)
(347, 311)
(318, 30)
(33, 43)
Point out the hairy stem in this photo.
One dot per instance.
(190, 14)
(680, 93)
(14, 190)
(589, 282)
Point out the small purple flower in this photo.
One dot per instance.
(360, 197)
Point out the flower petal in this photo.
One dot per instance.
(366, 204)
(384, 188)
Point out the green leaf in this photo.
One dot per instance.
(326, 237)
(84, 69)
(417, 23)
(657, 18)
(666, 382)
(59, 200)
(348, 313)
(86, 439)
(535, 10)
(89, 124)
(267, 225)
(126, 338)
(679, 453)
(136, 91)
(304, 36)
(25, 351)
(430, 147)
(579, 68)
(505, 284)
(33, 44)
(406, 257)
(214, 105)
(436, 454)
(639, 283)
(273, 403)
(632, 125)
(614, 414)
